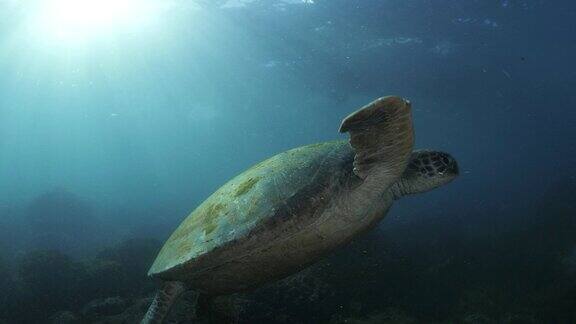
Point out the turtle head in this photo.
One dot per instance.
(426, 170)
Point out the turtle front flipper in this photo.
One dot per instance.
(163, 301)
(382, 137)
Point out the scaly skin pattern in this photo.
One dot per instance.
(272, 220)
(163, 302)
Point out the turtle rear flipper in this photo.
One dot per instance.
(382, 137)
(218, 309)
(163, 302)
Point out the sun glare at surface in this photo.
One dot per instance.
(80, 20)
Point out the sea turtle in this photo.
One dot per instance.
(287, 212)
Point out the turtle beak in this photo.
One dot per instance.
(453, 166)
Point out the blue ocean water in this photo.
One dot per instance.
(117, 118)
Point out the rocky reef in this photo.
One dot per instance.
(51, 281)
(52, 285)
(440, 268)
(7, 287)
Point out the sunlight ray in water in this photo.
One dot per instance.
(79, 20)
(55, 39)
